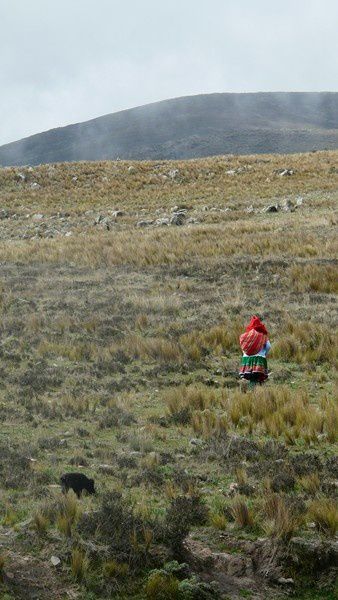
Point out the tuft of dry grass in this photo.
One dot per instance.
(67, 513)
(276, 410)
(193, 403)
(314, 278)
(278, 520)
(116, 570)
(324, 513)
(242, 513)
(79, 564)
(306, 342)
(40, 523)
(310, 483)
(218, 521)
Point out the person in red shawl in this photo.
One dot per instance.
(255, 346)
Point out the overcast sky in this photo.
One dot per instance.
(64, 61)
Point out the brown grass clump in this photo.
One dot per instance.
(331, 421)
(278, 411)
(184, 400)
(314, 278)
(68, 512)
(242, 513)
(3, 559)
(115, 569)
(310, 483)
(220, 338)
(277, 519)
(40, 523)
(78, 564)
(218, 520)
(324, 512)
(155, 348)
(306, 342)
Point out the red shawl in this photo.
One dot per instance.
(254, 338)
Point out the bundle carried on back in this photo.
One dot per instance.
(254, 337)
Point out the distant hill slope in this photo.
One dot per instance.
(191, 127)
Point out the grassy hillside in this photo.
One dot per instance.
(118, 358)
(191, 127)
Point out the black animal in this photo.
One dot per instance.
(77, 482)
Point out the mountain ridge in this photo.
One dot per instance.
(190, 127)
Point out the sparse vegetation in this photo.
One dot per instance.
(119, 356)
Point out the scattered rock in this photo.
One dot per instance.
(284, 172)
(117, 213)
(55, 560)
(37, 217)
(161, 222)
(178, 218)
(173, 174)
(285, 581)
(108, 469)
(4, 214)
(196, 442)
(20, 177)
(144, 223)
(288, 206)
(233, 488)
(131, 169)
(272, 208)
(35, 185)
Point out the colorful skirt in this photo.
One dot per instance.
(254, 368)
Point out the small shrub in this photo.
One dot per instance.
(182, 514)
(161, 586)
(115, 416)
(194, 589)
(128, 535)
(283, 482)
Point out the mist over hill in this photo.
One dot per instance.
(191, 127)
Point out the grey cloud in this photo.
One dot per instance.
(72, 60)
